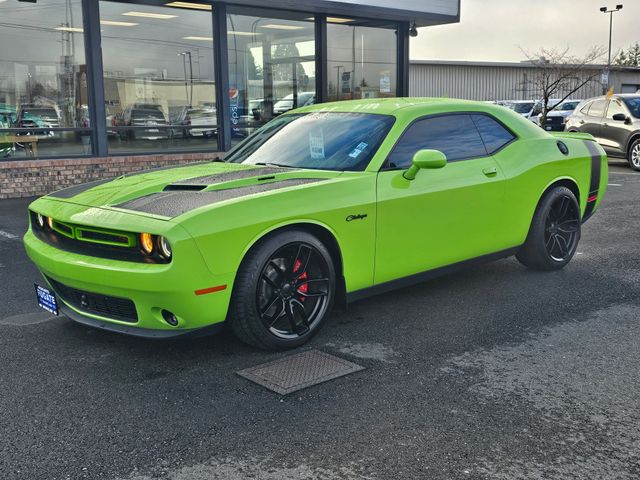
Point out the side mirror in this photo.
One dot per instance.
(430, 159)
(620, 117)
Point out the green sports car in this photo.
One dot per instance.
(323, 205)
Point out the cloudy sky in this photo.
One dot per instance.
(495, 29)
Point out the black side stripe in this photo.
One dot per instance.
(594, 185)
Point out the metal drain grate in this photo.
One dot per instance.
(302, 370)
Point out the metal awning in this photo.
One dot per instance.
(422, 12)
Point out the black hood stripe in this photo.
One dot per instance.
(78, 189)
(233, 175)
(71, 192)
(174, 203)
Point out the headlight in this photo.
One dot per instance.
(164, 247)
(50, 222)
(146, 242)
(40, 220)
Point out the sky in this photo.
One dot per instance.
(494, 30)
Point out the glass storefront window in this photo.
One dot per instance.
(361, 60)
(158, 78)
(272, 68)
(44, 108)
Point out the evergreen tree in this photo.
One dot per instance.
(629, 58)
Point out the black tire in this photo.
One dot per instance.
(554, 233)
(633, 156)
(273, 305)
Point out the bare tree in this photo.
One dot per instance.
(560, 75)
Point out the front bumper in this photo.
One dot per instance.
(151, 287)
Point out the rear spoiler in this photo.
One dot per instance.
(576, 135)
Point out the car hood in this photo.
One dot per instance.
(560, 113)
(170, 192)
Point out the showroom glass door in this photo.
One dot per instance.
(272, 67)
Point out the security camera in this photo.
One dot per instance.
(603, 9)
(413, 30)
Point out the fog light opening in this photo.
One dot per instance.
(170, 318)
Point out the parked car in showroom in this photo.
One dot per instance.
(147, 115)
(195, 122)
(37, 119)
(614, 122)
(325, 204)
(6, 145)
(557, 118)
(287, 103)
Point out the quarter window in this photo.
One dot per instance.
(493, 134)
(597, 108)
(585, 110)
(454, 135)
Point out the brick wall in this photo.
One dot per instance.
(27, 178)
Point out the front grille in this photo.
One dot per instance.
(115, 308)
(554, 121)
(108, 238)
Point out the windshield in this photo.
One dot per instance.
(521, 107)
(568, 106)
(320, 140)
(633, 103)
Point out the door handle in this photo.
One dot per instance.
(490, 171)
(581, 122)
(605, 124)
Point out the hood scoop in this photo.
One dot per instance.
(183, 187)
(265, 173)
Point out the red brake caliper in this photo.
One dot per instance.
(304, 288)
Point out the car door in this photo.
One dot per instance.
(444, 215)
(614, 133)
(592, 121)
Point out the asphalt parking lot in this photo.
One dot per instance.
(494, 373)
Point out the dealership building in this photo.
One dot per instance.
(93, 88)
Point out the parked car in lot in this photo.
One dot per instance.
(329, 203)
(287, 103)
(557, 118)
(526, 108)
(614, 122)
(530, 109)
(143, 115)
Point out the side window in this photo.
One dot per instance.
(454, 135)
(597, 108)
(615, 107)
(493, 134)
(585, 110)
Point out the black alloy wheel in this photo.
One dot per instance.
(293, 290)
(561, 228)
(554, 232)
(284, 290)
(634, 155)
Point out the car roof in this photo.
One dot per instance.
(392, 106)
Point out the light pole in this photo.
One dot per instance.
(184, 65)
(610, 12)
